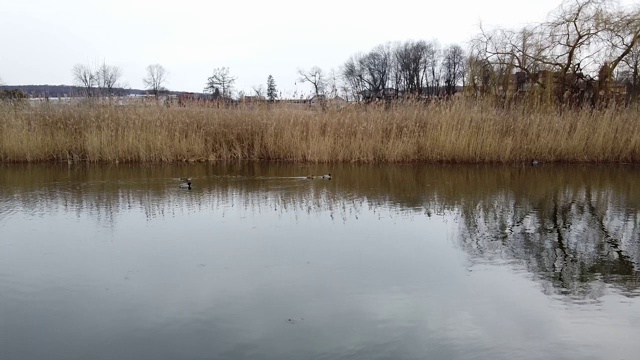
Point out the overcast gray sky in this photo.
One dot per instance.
(42, 39)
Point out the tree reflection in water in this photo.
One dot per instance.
(575, 237)
(576, 228)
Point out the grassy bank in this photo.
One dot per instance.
(447, 132)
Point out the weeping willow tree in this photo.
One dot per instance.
(572, 55)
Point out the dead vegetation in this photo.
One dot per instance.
(452, 131)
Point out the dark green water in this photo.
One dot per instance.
(381, 262)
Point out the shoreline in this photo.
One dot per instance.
(303, 162)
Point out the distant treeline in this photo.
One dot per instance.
(55, 91)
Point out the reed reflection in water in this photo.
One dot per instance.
(396, 261)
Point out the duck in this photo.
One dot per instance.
(327, 177)
(535, 163)
(185, 178)
(185, 186)
(310, 177)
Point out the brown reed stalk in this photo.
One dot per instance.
(449, 131)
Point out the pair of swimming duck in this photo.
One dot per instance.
(326, 177)
(187, 185)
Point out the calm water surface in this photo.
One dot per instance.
(381, 262)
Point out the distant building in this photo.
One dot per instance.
(383, 94)
(570, 87)
(253, 99)
(317, 99)
(337, 102)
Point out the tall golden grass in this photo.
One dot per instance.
(453, 131)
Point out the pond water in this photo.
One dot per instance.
(381, 262)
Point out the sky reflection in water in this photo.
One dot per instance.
(390, 262)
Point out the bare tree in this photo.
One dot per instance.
(623, 46)
(222, 80)
(630, 72)
(347, 92)
(480, 75)
(412, 67)
(376, 68)
(581, 41)
(453, 66)
(410, 64)
(333, 83)
(107, 79)
(353, 77)
(315, 76)
(85, 77)
(369, 74)
(156, 77)
(258, 90)
(574, 33)
(417, 67)
(494, 56)
(432, 68)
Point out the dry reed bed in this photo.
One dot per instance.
(446, 132)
